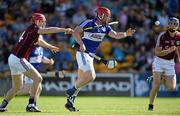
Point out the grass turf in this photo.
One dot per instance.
(96, 106)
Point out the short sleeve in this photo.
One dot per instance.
(159, 39)
(108, 29)
(85, 24)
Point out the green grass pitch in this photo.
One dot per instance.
(95, 106)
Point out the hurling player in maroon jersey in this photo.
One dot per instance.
(164, 64)
(19, 65)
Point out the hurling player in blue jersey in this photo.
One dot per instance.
(36, 58)
(90, 41)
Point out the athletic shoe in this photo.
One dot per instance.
(151, 107)
(3, 110)
(32, 108)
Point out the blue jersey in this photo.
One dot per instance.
(36, 57)
(93, 37)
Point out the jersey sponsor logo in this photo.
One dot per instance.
(96, 36)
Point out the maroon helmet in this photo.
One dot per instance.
(38, 16)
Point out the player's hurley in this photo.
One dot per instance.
(109, 63)
(57, 74)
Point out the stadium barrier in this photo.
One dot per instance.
(116, 84)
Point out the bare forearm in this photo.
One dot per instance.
(162, 52)
(43, 43)
(117, 35)
(77, 38)
(120, 35)
(50, 30)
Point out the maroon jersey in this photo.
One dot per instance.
(166, 41)
(26, 42)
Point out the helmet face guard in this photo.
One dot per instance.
(173, 24)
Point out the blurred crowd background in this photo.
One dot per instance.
(134, 54)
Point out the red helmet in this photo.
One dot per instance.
(101, 11)
(38, 16)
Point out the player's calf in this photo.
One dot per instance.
(71, 95)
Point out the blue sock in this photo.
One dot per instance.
(4, 103)
(71, 91)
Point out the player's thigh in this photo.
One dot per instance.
(157, 77)
(17, 81)
(33, 74)
(18, 65)
(85, 62)
(170, 81)
(89, 75)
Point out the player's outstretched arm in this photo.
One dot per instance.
(120, 35)
(50, 30)
(44, 44)
(77, 36)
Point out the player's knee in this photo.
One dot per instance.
(39, 79)
(93, 77)
(40, 88)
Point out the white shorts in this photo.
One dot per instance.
(165, 66)
(27, 80)
(85, 62)
(18, 65)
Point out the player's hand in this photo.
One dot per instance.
(172, 48)
(54, 49)
(69, 31)
(130, 31)
(51, 61)
(82, 48)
